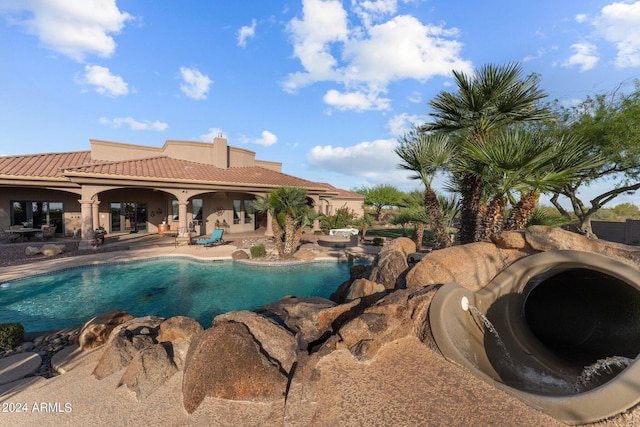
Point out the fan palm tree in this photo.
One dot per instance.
(425, 155)
(414, 210)
(564, 160)
(492, 98)
(509, 158)
(290, 213)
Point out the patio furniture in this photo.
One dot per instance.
(48, 232)
(8, 236)
(23, 233)
(215, 239)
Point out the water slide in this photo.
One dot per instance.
(560, 330)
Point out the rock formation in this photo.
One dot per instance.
(261, 355)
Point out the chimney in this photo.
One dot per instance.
(220, 152)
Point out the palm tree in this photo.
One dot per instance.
(425, 155)
(564, 159)
(290, 213)
(494, 97)
(510, 158)
(416, 213)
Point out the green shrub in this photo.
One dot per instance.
(11, 334)
(378, 241)
(258, 251)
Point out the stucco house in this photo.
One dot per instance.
(124, 188)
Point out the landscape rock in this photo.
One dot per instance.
(178, 332)
(362, 288)
(402, 313)
(150, 368)
(472, 265)
(510, 240)
(96, 331)
(390, 264)
(240, 255)
(226, 362)
(310, 319)
(277, 342)
(543, 238)
(31, 251)
(52, 250)
(125, 342)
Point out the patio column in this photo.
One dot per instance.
(182, 218)
(86, 219)
(316, 222)
(95, 211)
(269, 231)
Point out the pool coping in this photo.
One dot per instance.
(43, 267)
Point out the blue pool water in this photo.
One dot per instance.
(161, 287)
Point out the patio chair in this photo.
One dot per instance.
(215, 239)
(8, 236)
(48, 232)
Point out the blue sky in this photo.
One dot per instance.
(326, 87)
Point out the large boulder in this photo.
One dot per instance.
(226, 362)
(401, 313)
(362, 288)
(358, 271)
(543, 238)
(31, 251)
(510, 240)
(150, 368)
(472, 265)
(52, 250)
(125, 342)
(391, 262)
(311, 319)
(96, 331)
(178, 332)
(277, 342)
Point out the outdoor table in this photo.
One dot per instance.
(25, 232)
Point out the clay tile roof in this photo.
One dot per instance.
(166, 168)
(343, 193)
(42, 165)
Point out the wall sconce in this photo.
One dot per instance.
(159, 211)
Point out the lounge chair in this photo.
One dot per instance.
(215, 239)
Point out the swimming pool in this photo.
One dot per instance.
(161, 287)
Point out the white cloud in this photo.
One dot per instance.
(374, 10)
(619, 23)
(586, 57)
(133, 124)
(400, 124)
(103, 81)
(246, 32)
(73, 28)
(580, 18)
(267, 139)
(375, 161)
(323, 23)
(371, 56)
(358, 101)
(194, 84)
(213, 133)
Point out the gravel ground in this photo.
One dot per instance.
(14, 253)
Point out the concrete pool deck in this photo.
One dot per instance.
(130, 247)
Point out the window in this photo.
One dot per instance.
(196, 208)
(248, 211)
(237, 205)
(37, 213)
(174, 210)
